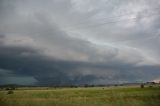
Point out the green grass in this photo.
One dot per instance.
(83, 97)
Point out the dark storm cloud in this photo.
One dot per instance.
(24, 61)
(62, 41)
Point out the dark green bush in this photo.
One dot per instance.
(142, 86)
(10, 92)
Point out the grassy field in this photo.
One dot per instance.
(82, 97)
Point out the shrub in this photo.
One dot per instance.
(10, 92)
(10, 88)
(7, 89)
(142, 86)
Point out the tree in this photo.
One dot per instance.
(142, 86)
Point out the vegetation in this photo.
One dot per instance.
(142, 85)
(10, 92)
(97, 96)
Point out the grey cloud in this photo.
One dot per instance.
(37, 41)
(1, 39)
(52, 71)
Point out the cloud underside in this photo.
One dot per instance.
(79, 42)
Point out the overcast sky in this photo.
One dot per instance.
(79, 41)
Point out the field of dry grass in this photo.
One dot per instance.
(82, 97)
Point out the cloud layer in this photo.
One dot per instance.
(78, 42)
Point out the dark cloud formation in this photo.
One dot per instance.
(78, 42)
(39, 69)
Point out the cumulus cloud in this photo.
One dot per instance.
(77, 42)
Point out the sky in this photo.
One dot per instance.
(58, 42)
